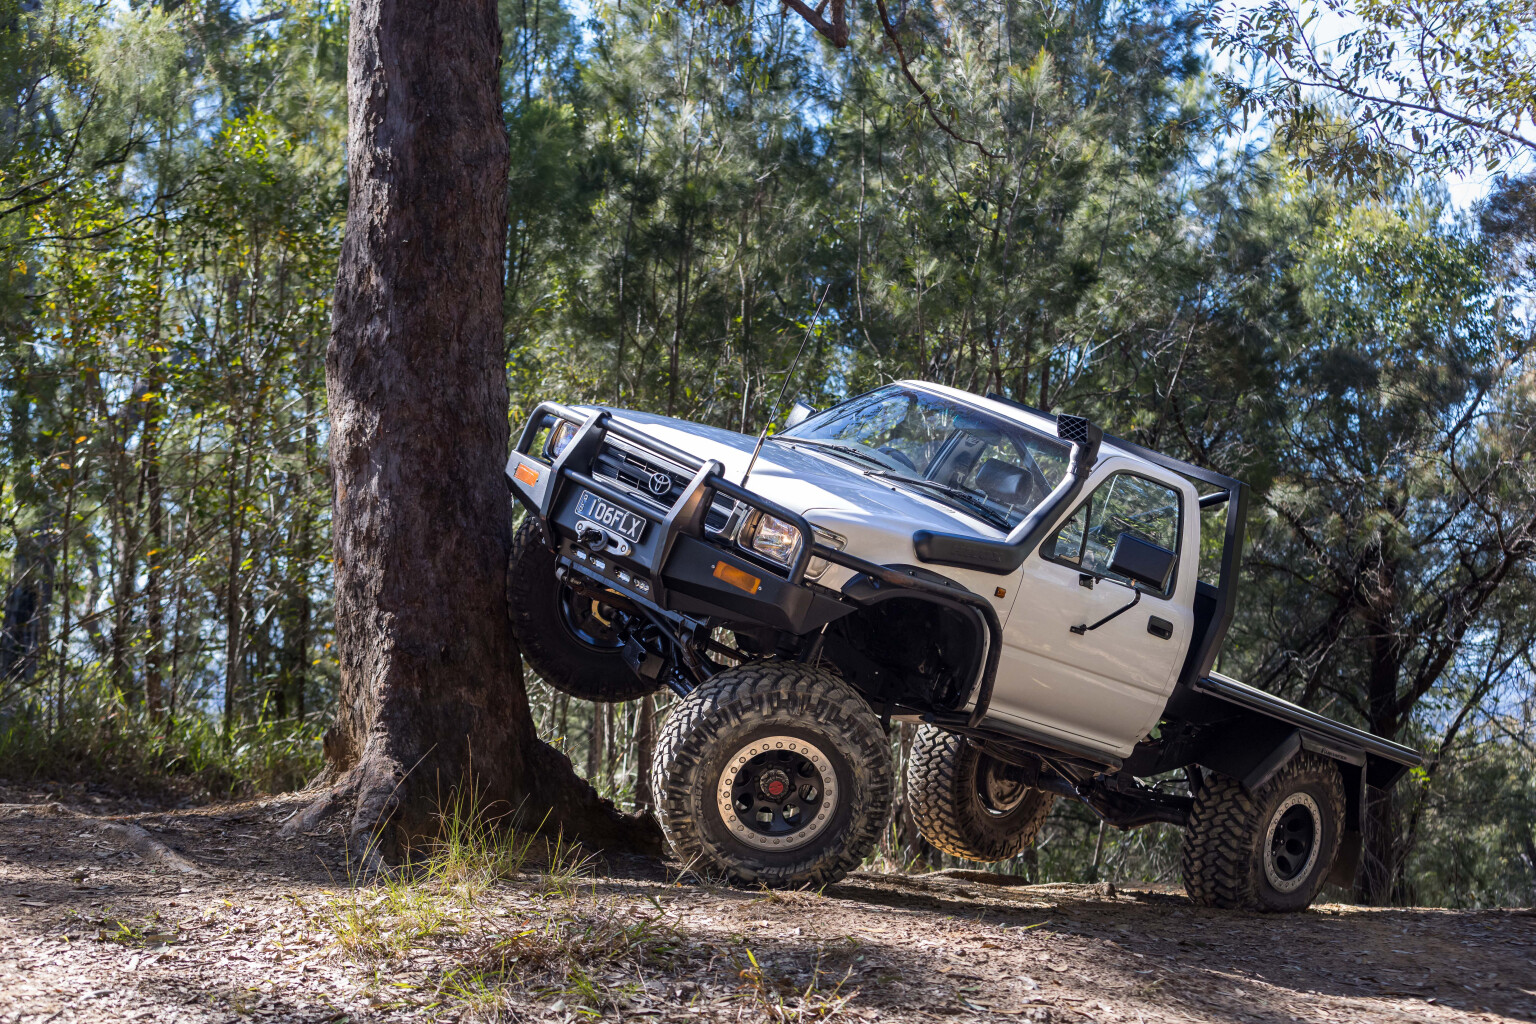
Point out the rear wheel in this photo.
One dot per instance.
(1270, 849)
(773, 773)
(571, 639)
(969, 804)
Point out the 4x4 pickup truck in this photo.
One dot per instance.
(1045, 602)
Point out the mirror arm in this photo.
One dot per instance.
(1080, 630)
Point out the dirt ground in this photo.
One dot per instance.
(97, 925)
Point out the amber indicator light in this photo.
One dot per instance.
(526, 474)
(737, 578)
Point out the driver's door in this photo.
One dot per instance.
(1106, 688)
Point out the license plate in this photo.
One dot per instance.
(610, 516)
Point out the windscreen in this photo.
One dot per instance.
(989, 466)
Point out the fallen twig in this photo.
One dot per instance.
(139, 841)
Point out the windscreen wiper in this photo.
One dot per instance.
(972, 500)
(843, 449)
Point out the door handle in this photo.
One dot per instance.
(1160, 628)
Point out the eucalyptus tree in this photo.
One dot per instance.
(1442, 85)
(432, 698)
(1016, 273)
(167, 360)
(1356, 367)
(699, 217)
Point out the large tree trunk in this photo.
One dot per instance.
(432, 694)
(1378, 878)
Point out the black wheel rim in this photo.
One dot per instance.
(1000, 786)
(777, 792)
(1293, 841)
(588, 621)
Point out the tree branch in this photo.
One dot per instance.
(906, 70)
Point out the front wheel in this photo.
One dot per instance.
(1266, 850)
(773, 773)
(572, 640)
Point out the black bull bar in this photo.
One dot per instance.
(787, 600)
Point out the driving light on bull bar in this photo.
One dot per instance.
(773, 538)
(559, 437)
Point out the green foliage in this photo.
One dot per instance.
(1355, 87)
(688, 187)
(164, 482)
(106, 739)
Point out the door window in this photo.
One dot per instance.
(1124, 503)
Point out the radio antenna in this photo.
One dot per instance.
(789, 375)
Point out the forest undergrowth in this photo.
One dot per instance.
(128, 750)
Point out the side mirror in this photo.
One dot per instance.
(1142, 561)
(798, 413)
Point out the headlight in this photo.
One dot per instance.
(773, 538)
(559, 437)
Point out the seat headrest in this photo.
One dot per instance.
(1002, 481)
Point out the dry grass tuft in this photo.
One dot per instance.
(785, 1002)
(500, 915)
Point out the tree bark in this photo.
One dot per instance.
(28, 604)
(154, 597)
(431, 695)
(1378, 877)
(234, 624)
(645, 749)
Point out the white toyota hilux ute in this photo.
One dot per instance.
(1045, 602)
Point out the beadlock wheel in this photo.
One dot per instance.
(1001, 790)
(772, 773)
(1267, 849)
(969, 804)
(587, 620)
(777, 792)
(1292, 843)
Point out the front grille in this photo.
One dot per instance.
(639, 473)
(653, 480)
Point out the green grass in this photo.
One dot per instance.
(780, 1001)
(518, 914)
(509, 917)
(107, 740)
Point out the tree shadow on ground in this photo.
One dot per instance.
(904, 947)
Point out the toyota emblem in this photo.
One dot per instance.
(660, 484)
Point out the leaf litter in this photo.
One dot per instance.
(274, 928)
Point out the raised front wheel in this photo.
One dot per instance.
(570, 638)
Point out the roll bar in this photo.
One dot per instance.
(1002, 557)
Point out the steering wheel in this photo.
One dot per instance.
(900, 456)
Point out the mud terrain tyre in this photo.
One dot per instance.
(773, 773)
(1268, 850)
(569, 641)
(968, 804)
